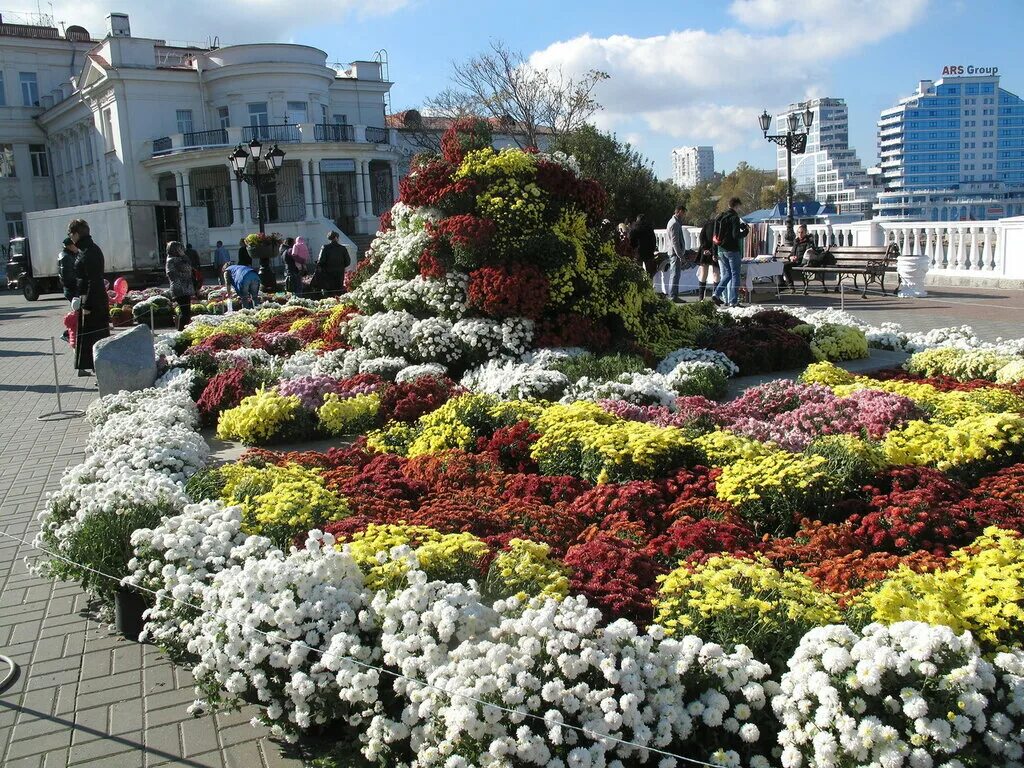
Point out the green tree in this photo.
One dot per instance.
(700, 203)
(626, 175)
(748, 184)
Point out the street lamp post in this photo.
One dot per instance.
(271, 160)
(796, 144)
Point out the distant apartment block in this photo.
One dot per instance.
(692, 165)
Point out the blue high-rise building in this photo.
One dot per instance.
(953, 151)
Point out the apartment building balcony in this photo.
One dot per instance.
(303, 133)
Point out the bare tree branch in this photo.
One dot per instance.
(502, 85)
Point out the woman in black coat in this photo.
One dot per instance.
(94, 312)
(243, 254)
(330, 267)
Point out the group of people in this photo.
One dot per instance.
(717, 255)
(244, 279)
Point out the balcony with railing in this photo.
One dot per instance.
(304, 133)
(377, 135)
(218, 137)
(334, 132)
(275, 133)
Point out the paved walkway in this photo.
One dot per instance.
(992, 313)
(84, 695)
(87, 697)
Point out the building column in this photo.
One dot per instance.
(246, 211)
(360, 190)
(318, 189)
(99, 158)
(236, 202)
(307, 192)
(368, 189)
(394, 181)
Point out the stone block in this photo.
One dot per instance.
(126, 361)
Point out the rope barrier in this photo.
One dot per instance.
(391, 673)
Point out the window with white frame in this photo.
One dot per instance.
(340, 119)
(29, 89)
(15, 224)
(297, 113)
(87, 137)
(184, 118)
(78, 152)
(40, 163)
(258, 114)
(224, 117)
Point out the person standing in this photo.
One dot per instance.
(66, 274)
(244, 281)
(197, 269)
(707, 259)
(644, 243)
(292, 272)
(243, 254)
(267, 273)
(676, 251)
(220, 256)
(729, 230)
(66, 269)
(179, 275)
(331, 265)
(93, 307)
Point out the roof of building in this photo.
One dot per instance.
(412, 119)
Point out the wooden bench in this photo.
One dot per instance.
(852, 262)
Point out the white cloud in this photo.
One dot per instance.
(708, 87)
(233, 21)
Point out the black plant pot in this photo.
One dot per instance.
(128, 608)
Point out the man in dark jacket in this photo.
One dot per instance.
(803, 248)
(707, 259)
(644, 243)
(729, 230)
(66, 269)
(94, 309)
(197, 269)
(331, 264)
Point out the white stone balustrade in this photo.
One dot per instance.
(984, 250)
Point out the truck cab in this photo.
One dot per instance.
(19, 272)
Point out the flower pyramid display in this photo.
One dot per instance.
(492, 253)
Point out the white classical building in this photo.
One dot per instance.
(135, 118)
(692, 165)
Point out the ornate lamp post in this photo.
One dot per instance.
(271, 160)
(796, 144)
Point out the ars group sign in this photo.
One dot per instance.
(970, 70)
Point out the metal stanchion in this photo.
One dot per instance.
(60, 413)
(842, 295)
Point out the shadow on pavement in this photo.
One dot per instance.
(70, 724)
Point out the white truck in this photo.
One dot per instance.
(131, 233)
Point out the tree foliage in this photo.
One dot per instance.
(625, 174)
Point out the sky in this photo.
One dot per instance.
(681, 73)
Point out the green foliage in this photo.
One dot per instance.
(205, 484)
(604, 367)
(102, 543)
(626, 175)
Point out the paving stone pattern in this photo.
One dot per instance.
(84, 696)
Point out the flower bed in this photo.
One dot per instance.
(561, 556)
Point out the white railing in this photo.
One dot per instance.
(691, 239)
(982, 249)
